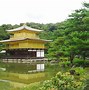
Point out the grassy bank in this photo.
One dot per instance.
(23, 78)
(4, 85)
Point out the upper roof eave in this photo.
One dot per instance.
(24, 27)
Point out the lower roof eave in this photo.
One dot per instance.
(9, 40)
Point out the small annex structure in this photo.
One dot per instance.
(24, 43)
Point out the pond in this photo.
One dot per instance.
(22, 67)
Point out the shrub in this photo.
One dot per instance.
(32, 86)
(78, 70)
(79, 62)
(87, 85)
(63, 81)
(64, 59)
(64, 63)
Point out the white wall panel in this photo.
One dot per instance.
(38, 54)
(42, 53)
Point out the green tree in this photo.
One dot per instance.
(56, 48)
(77, 34)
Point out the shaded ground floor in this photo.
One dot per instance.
(23, 54)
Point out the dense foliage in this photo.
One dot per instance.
(73, 39)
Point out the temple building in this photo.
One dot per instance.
(24, 43)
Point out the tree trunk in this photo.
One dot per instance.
(84, 57)
(71, 58)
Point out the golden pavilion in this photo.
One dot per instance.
(24, 43)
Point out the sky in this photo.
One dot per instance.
(38, 11)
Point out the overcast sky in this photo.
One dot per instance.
(40, 11)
